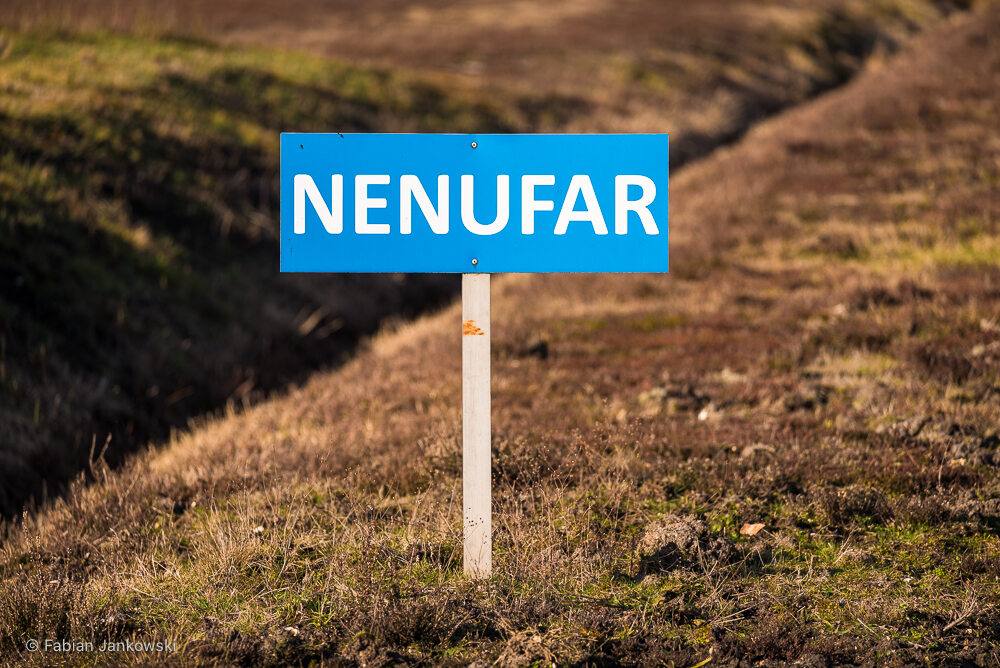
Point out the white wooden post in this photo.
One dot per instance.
(476, 492)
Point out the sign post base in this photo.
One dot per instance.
(476, 483)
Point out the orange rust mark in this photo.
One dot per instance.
(469, 328)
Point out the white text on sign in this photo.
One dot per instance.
(371, 191)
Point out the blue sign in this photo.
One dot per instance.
(473, 203)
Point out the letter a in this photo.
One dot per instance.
(580, 183)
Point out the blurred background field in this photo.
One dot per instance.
(705, 69)
(140, 283)
(821, 360)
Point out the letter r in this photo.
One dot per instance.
(640, 206)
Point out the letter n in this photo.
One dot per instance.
(332, 217)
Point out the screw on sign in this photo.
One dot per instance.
(524, 203)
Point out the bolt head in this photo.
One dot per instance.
(475, 144)
(474, 262)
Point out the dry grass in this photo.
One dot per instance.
(704, 71)
(822, 360)
(138, 175)
(138, 226)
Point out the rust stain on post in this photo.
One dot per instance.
(469, 328)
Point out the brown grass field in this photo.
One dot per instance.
(707, 69)
(823, 360)
(138, 180)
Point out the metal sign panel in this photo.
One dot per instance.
(473, 203)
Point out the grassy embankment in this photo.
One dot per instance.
(707, 69)
(823, 360)
(138, 199)
(138, 229)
